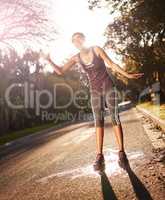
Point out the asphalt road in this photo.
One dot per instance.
(58, 166)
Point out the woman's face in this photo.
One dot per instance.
(78, 41)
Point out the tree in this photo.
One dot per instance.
(22, 21)
(139, 35)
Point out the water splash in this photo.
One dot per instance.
(112, 167)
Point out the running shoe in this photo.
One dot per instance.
(123, 160)
(99, 163)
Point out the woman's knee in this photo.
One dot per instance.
(99, 118)
(115, 119)
(99, 123)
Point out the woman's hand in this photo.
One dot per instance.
(45, 56)
(135, 75)
(115, 67)
(57, 69)
(60, 70)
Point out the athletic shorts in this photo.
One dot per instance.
(98, 100)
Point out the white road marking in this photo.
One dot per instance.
(112, 168)
(84, 135)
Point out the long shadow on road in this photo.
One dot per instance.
(140, 190)
(107, 191)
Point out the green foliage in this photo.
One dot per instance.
(139, 35)
(18, 134)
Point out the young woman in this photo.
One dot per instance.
(102, 90)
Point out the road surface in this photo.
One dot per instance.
(58, 166)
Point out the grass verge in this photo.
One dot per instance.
(18, 134)
(158, 110)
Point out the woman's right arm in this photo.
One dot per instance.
(61, 70)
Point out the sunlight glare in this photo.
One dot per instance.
(74, 16)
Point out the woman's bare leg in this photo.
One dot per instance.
(123, 161)
(98, 111)
(99, 162)
(112, 103)
(99, 139)
(119, 136)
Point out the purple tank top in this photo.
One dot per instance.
(96, 72)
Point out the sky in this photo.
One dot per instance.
(74, 16)
(69, 16)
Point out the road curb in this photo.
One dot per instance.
(156, 120)
(46, 133)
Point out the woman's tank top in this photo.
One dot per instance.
(96, 72)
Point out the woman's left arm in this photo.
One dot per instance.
(115, 67)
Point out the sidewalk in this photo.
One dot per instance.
(156, 120)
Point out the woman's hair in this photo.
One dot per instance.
(78, 33)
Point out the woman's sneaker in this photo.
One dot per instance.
(99, 163)
(123, 160)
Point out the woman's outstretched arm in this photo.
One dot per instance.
(115, 67)
(61, 70)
